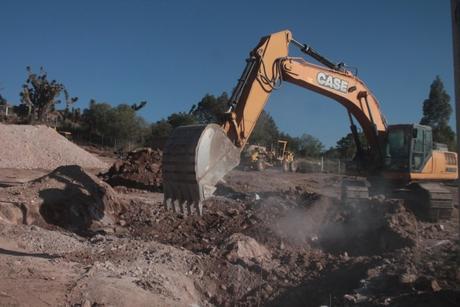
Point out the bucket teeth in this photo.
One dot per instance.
(185, 208)
(168, 203)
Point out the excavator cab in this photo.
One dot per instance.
(397, 157)
(408, 147)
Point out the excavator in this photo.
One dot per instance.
(399, 157)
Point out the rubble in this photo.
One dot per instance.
(140, 170)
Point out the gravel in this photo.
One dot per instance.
(40, 147)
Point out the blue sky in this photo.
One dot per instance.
(171, 53)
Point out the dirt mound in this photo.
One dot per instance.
(67, 197)
(140, 170)
(32, 147)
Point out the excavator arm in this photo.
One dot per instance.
(196, 157)
(346, 89)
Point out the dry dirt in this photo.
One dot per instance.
(267, 239)
(141, 169)
(40, 147)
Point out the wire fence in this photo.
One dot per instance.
(321, 165)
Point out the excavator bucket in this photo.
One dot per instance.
(195, 158)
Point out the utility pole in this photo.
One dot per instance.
(455, 9)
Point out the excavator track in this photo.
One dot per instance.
(431, 199)
(354, 192)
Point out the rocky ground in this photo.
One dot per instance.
(267, 239)
(141, 169)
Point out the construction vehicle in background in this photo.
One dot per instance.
(255, 157)
(398, 158)
(259, 158)
(284, 157)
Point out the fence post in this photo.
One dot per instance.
(339, 166)
(322, 164)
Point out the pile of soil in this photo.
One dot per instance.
(68, 197)
(40, 147)
(140, 170)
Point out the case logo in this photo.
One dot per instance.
(332, 82)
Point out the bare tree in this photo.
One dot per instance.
(41, 95)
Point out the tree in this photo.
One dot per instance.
(161, 129)
(124, 125)
(41, 95)
(210, 109)
(436, 113)
(96, 117)
(266, 131)
(309, 146)
(118, 124)
(181, 119)
(2, 101)
(346, 146)
(137, 107)
(331, 153)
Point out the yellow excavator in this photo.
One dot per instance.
(196, 157)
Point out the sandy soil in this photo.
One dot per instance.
(40, 147)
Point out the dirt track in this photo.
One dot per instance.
(270, 238)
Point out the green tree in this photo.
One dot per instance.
(2, 101)
(331, 153)
(266, 131)
(210, 109)
(96, 117)
(436, 113)
(118, 124)
(124, 125)
(161, 129)
(41, 95)
(309, 146)
(346, 146)
(181, 119)
(137, 107)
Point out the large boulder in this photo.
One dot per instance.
(240, 248)
(68, 197)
